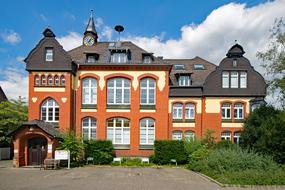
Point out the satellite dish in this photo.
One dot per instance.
(119, 28)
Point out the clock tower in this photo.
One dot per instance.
(90, 35)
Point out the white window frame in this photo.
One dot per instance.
(87, 89)
(148, 88)
(43, 80)
(56, 80)
(239, 111)
(91, 59)
(90, 121)
(147, 59)
(37, 80)
(234, 79)
(54, 106)
(225, 108)
(177, 111)
(190, 111)
(115, 90)
(226, 135)
(184, 80)
(49, 54)
(62, 80)
(243, 79)
(177, 135)
(121, 132)
(236, 137)
(225, 79)
(190, 135)
(147, 129)
(119, 57)
(49, 80)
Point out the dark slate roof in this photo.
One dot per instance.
(103, 49)
(3, 97)
(197, 76)
(47, 127)
(236, 51)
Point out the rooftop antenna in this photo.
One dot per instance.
(236, 41)
(119, 29)
(91, 15)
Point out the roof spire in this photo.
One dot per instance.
(91, 26)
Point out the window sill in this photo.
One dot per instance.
(227, 121)
(118, 106)
(121, 146)
(147, 107)
(89, 106)
(146, 147)
(177, 120)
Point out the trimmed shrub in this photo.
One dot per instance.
(165, 150)
(100, 150)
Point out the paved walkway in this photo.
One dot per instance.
(126, 178)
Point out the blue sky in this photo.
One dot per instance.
(152, 24)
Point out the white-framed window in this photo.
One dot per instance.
(89, 91)
(44, 80)
(89, 128)
(234, 79)
(119, 58)
(118, 91)
(190, 135)
(243, 80)
(118, 130)
(179, 67)
(238, 111)
(199, 67)
(177, 111)
(37, 80)
(62, 80)
(189, 111)
(56, 80)
(236, 137)
(49, 80)
(49, 54)
(226, 111)
(50, 111)
(225, 80)
(177, 135)
(184, 80)
(147, 91)
(91, 59)
(226, 136)
(147, 131)
(235, 63)
(147, 59)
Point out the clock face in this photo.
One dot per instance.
(89, 41)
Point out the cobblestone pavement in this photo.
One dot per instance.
(126, 178)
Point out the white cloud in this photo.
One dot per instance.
(69, 16)
(15, 83)
(10, 36)
(43, 17)
(107, 33)
(72, 40)
(20, 59)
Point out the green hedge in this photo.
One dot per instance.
(165, 150)
(100, 150)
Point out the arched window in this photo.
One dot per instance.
(189, 135)
(118, 91)
(37, 80)
(190, 111)
(226, 111)
(177, 111)
(238, 111)
(236, 137)
(177, 135)
(147, 91)
(147, 131)
(49, 80)
(226, 135)
(89, 128)
(118, 130)
(44, 82)
(56, 80)
(62, 80)
(50, 111)
(89, 91)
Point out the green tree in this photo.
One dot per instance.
(12, 114)
(274, 59)
(264, 132)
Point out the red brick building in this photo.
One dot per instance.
(120, 92)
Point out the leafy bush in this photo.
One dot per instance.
(192, 145)
(264, 132)
(100, 150)
(224, 144)
(165, 150)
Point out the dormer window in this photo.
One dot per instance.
(199, 67)
(119, 58)
(90, 59)
(147, 59)
(184, 80)
(49, 54)
(179, 67)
